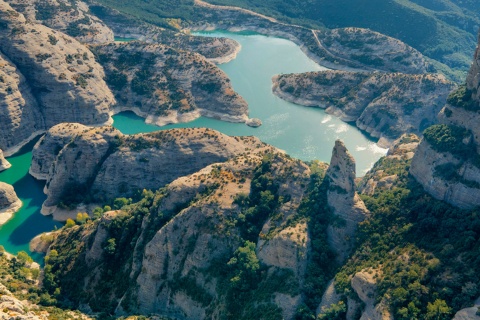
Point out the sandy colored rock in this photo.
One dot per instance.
(101, 163)
(9, 202)
(4, 164)
(66, 82)
(344, 201)
(70, 17)
(165, 86)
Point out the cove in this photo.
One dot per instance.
(16, 233)
(303, 132)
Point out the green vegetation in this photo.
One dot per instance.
(428, 252)
(462, 98)
(447, 27)
(448, 138)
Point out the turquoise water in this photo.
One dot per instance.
(304, 133)
(28, 222)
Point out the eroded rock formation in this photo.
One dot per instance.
(348, 209)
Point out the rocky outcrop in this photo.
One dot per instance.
(386, 105)
(9, 202)
(373, 49)
(4, 164)
(70, 17)
(365, 286)
(99, 164)
(348, 209)
(62, 76)
(188, 232)
(446, 163)
(400, 154)
(216, 50)
(469, 313)
(343, 49)
(20, 116)
(168, 86)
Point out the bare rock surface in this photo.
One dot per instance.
(165, 86)
(9, 202)
(70, 17)
(451, 172)
(348, 209)
(64, 81)
(4, 164)
(386, 105)
(100, 163)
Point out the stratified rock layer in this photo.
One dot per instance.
(168, 86)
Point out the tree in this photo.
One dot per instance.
(245, 265)
(81, 217)
(110, 247)
(439, 310)
(70, 223)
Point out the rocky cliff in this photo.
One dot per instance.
(348, 209)
(168, 86)
(4, 164)
(447, 161)
(181, 251)
(9, 202)
(84, 164)
(61, 74)
(216, 50)
(70, 17)
(386, 105)
(20, 114)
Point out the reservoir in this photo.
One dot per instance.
(304, 133)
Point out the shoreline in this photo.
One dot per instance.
(7, 213)
(381, 141)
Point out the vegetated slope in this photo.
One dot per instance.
(418, 258)
(442, 30)
(386, 105)
(242, 239)
(22, 297)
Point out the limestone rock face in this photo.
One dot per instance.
(403, 150)
(98, 164)
(63, 76)
(9, 202)
(4, 164)
(469, 313)
(365, 286)
(190, 231)
(70, 17)
(386, 105)
(448, 174)
(7, 196)
(168, 86)
(344, 201)
(20, 116)
(462, 192)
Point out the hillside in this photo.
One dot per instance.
(447, 28)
